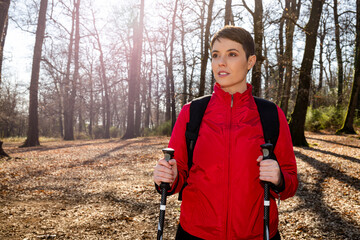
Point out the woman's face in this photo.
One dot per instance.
(230, 66)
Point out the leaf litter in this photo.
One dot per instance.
(103, 189)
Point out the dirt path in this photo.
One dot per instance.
(102, 189)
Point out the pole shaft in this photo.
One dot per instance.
(266, 211)
(162, 212)
(267, 149)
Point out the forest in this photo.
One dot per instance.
(90, 91)
(124, 69)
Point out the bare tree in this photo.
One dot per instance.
(257, 15)
(4, 8)
(165, 39)
(91, 104)
(292, 10)
(267, 71)
(184, 62)
(170, 67)
(297, 122)
(134, 74)
(280, 57)
(229, 17)
(76, 77)
(33, 130)
(70, 84)
(106, 105)
(137, 100)
(340, 72)
(205, 52)
(157, 94)
(355, 90)
(150, 83)
(322, 35)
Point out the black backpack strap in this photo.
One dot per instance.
(270, 123)
(197, 110)
(269, 120)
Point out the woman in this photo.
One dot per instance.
(224, 195)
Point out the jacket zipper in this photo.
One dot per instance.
(229, 160)
(279, 199)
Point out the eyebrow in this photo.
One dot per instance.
(229, 50)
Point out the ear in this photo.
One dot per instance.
(251, 61)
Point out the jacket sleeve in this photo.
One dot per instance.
(178, 143)
(286, 158)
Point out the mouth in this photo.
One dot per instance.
(223, 74)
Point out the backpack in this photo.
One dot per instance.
(268, 116)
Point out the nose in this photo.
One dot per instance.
(221, 61)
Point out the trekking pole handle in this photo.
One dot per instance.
(168, 153)
(267, 150)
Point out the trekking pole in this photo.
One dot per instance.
(168, 154)
(267, 149)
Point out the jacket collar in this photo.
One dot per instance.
(238, 98)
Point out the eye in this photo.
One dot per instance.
(214, 55)
(232, 54)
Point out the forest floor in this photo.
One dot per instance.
(103, 189)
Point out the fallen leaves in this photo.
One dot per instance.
(103, 189)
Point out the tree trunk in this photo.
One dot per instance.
(205, 54)
(70, 85)
(149, 97)
(138, 109)
(191, 80)
(340, 71)
(59, 90)
(68, 104)
(106, 92)
(317, 89)
(202, 44)
(105, 85)
(171, 74)
(157, 94)
(4, 20)
(259, 35)
(167, 87)
(134, 78)
(81, 120)
(229, 18)
(297, 122)
(76, 57)
(61, 126)
(2, 152)
(183, 32)
(33, 130)
(355, 90)
(91, 111)
(291, 18)
(257, 15)
(140, 82)
(281, 65)
(321, 61)
(267, 72)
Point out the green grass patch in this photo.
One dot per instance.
(163, 129)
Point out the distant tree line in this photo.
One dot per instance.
(129, 70)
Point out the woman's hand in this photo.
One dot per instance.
(165, 171)
(269, 171)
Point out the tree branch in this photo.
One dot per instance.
(247, 7)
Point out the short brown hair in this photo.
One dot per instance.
(237, 34)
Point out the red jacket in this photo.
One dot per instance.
(224, 196)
